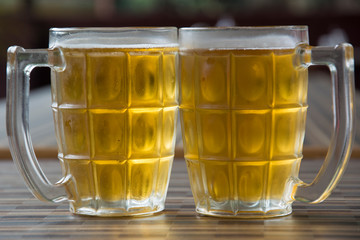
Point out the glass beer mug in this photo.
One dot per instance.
(243, 103)
(114, 102)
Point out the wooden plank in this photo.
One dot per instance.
(51, 152)
(24, 217)
(318, 126)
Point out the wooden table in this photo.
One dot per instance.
(24, 217)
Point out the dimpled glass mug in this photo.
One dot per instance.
(243, 102)
(114, 102)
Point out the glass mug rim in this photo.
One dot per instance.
(109, 29)
(274, 27)
(123, 37)
(243, 37)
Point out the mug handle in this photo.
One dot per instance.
(20, 63)
(340, 61)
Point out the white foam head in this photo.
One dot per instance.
(113, 37)
(243, 37)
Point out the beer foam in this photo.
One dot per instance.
(260, 42)
(267, 37)
(111, 42)
(142, 46)
(118, 45)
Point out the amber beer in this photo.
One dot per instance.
(243, 109)
(243, 118)
(115, 112)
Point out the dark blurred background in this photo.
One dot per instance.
(26, 22)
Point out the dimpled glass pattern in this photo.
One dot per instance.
(243, 119)
(115, 110)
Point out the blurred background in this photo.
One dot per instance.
(26, 23)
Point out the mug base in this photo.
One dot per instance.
(246, 213)
(116, 212)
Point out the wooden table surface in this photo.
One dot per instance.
(24, 217)
(318, 121)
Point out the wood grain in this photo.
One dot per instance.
(318, 124)
(24, 217)
(309, 152)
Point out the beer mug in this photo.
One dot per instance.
(243, 102)
(114, 102)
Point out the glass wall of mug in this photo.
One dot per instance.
(114, 102)
(243, 104)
